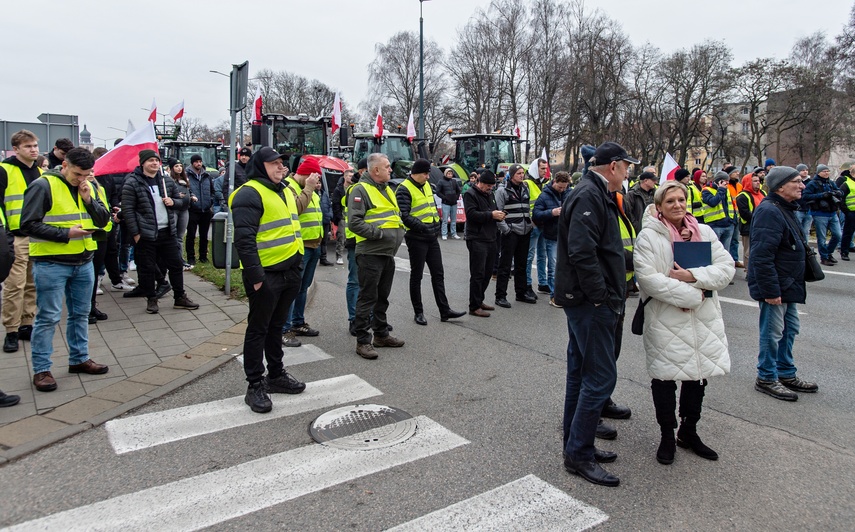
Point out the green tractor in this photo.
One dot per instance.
(183, 150)
(396, 146)
(494, 151)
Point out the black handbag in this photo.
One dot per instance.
(813, 271)
(638, 319)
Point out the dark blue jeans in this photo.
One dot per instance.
(297, 312)
(591, 375)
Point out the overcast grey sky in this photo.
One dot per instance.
(105, 60)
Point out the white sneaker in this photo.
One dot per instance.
(98, 290)
(121, 286)
(128, 280)
(339, 260)
(455, 237)
(132, 266)
(445, 238)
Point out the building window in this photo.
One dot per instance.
(745, 128)
(697, 162)
(745, 110)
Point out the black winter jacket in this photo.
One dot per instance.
(202, 186)
(479, 207)
(448, 190)
(543, 217)
(777, 265)
(416, 228)
(138, 206)
(591, 266)
(247, 209)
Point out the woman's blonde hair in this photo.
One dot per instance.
(659, 195)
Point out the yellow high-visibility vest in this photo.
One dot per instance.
(422, 206)
(16, 184)
(63, 213)
(384, 213)
(278, 237)
(534, 191)
(715, 213)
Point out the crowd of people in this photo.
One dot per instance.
(594, 241)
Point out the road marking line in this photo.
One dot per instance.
(753, 304)
(402, 265)
(839, 273)
(525, 504)
(148, 430)
(205, 500)
(298, 355)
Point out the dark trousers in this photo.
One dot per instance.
(591, 375)
(665, 402)
(376, 273)
(268, 310)
(426, 252)
(324, 241)
(202, 221)
(147, 255)
(848, 232)
(111, 256)
(97, 264)
(514, 248)
(482, 256)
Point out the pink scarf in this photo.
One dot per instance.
(689, 223)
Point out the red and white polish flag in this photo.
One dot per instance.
(124, 157)
(177, 112)
(378, 124)
(336, 115)
(411, 128)
(152, 115)
(669, 168)
(256, 106)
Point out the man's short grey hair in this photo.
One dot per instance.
(651, 169)
(374, 159)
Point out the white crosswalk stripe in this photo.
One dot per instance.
(744, 303)
(525, 504)
(205, 500)
(148, 430)
(299, 355)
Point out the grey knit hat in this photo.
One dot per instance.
(801, 167)
(721, 175)
(780, 176)
(821, 168)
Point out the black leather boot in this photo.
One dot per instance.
(691, 400)
(665, 403)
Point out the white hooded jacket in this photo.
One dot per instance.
(681, 345)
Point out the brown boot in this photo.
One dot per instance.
(366, 351)
(151, 306)
(44, 382)
(387, 341)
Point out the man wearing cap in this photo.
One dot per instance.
(149, 202)
(19, 292)
(59, 214)
(776, 280)
(719, 213)
(516, 228)
(824, 200)
(374, 217)
(590, 284)
(639, 197)
(303, 186)
(57, 154)
(201, 209)
(268, 243)
(482, 217)
(421, 221)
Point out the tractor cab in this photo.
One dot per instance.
(395, 146)
(184, 150)
(494, 151)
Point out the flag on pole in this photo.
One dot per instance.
(152, 115)
(124, 157)
(411, 128)
(532, 168)
(177, 111)
(378, 124)
(256, 105)
(518, 131)
(336, 115)
(669, 168)
(130, 129)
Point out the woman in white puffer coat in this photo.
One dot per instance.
(684, 337)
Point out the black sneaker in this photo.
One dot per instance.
(776, 390)
(285, 383)
(615, 411)
(304, 330)
(162, 290)
(605, 431)
(97, 314)
(185, 303)
(351, 328)
(10, 345)
(8, 400)
(92, 320)
(257, 398)
(24, 332)
(502, 302)
(798, 385)
(832, 259)
(136, 292)
(151, 306)
(289, 339)
(543, 289)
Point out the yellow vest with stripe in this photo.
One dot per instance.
(695, 204)
(627, 234)
(311, 219)
(715, 213)
(348, 234)
(384, 213)
(850, 198)
(14, 197)
(750, 204)
(422, 206)
(63, 213)
(101, 194)
(278, 237)
(534, 191)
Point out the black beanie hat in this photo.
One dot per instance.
(680, 174)
(420, 166)
(487, 177)
(148, 154)
(195, 157)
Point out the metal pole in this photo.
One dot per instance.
(421, 72)
(229, 220)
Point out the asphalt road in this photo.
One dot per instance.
(497, 386)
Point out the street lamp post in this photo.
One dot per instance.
(421, 71)
(241, 114)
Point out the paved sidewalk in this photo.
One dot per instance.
(149, 355)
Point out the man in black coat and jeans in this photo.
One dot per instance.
(776, 279)
(590, 283)
(201, 209)
(148, 203)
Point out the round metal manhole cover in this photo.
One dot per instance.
(363, 427)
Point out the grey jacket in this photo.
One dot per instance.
(379, 241)
(514, 195)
